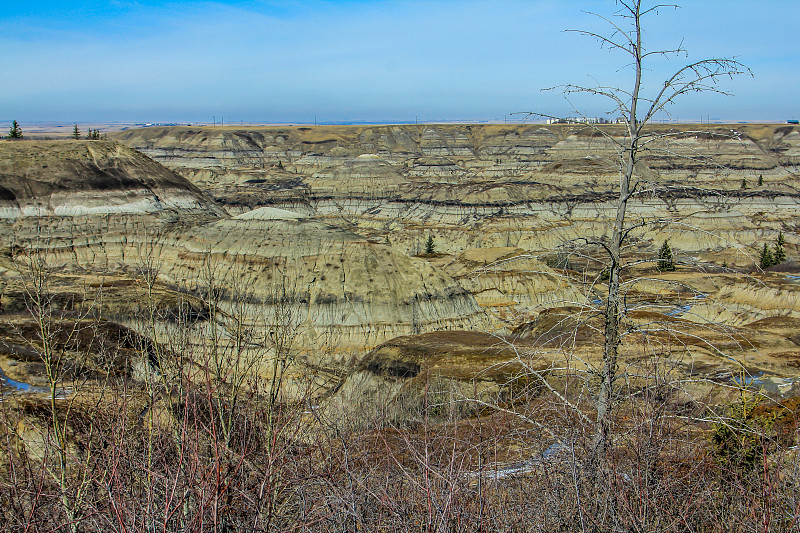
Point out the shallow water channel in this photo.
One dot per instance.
(8, 385)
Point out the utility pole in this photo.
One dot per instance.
(215, 120)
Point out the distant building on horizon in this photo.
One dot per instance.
(585, 120)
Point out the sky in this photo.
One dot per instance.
(375, 60)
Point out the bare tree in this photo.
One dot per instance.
(243, 341)
(637, 110)
(55, 337)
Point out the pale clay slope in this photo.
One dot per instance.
(528, 187)
(355, 293)
(518, 191)
(269, 213)
(526, 190)
(507, 185)
(68, 178)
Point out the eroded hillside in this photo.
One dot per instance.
(716, 194)
(294, 308)
(339, 217)
(122, 237)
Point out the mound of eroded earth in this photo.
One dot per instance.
(121, 232)
(505, 207)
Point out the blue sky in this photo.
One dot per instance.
(369, 60)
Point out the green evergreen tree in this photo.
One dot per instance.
(760, 180)
(744, 183)
(780, 254)
(430, 247)
(740, 441)
(15, 132)
(76, 133)
(766, 260)
(665, 261)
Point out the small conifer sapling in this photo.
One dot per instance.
(15, 132)
(779, 256)
(430, 246)
(766, 260)
(665, 261)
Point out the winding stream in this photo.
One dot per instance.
(9, 385)
(519, 468)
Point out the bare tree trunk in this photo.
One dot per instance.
(614, 305)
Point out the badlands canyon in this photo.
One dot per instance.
(398, 328)
(337, 218)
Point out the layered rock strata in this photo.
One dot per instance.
(74, 178)
(529, 187)
(95, 209)
(508, 207)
